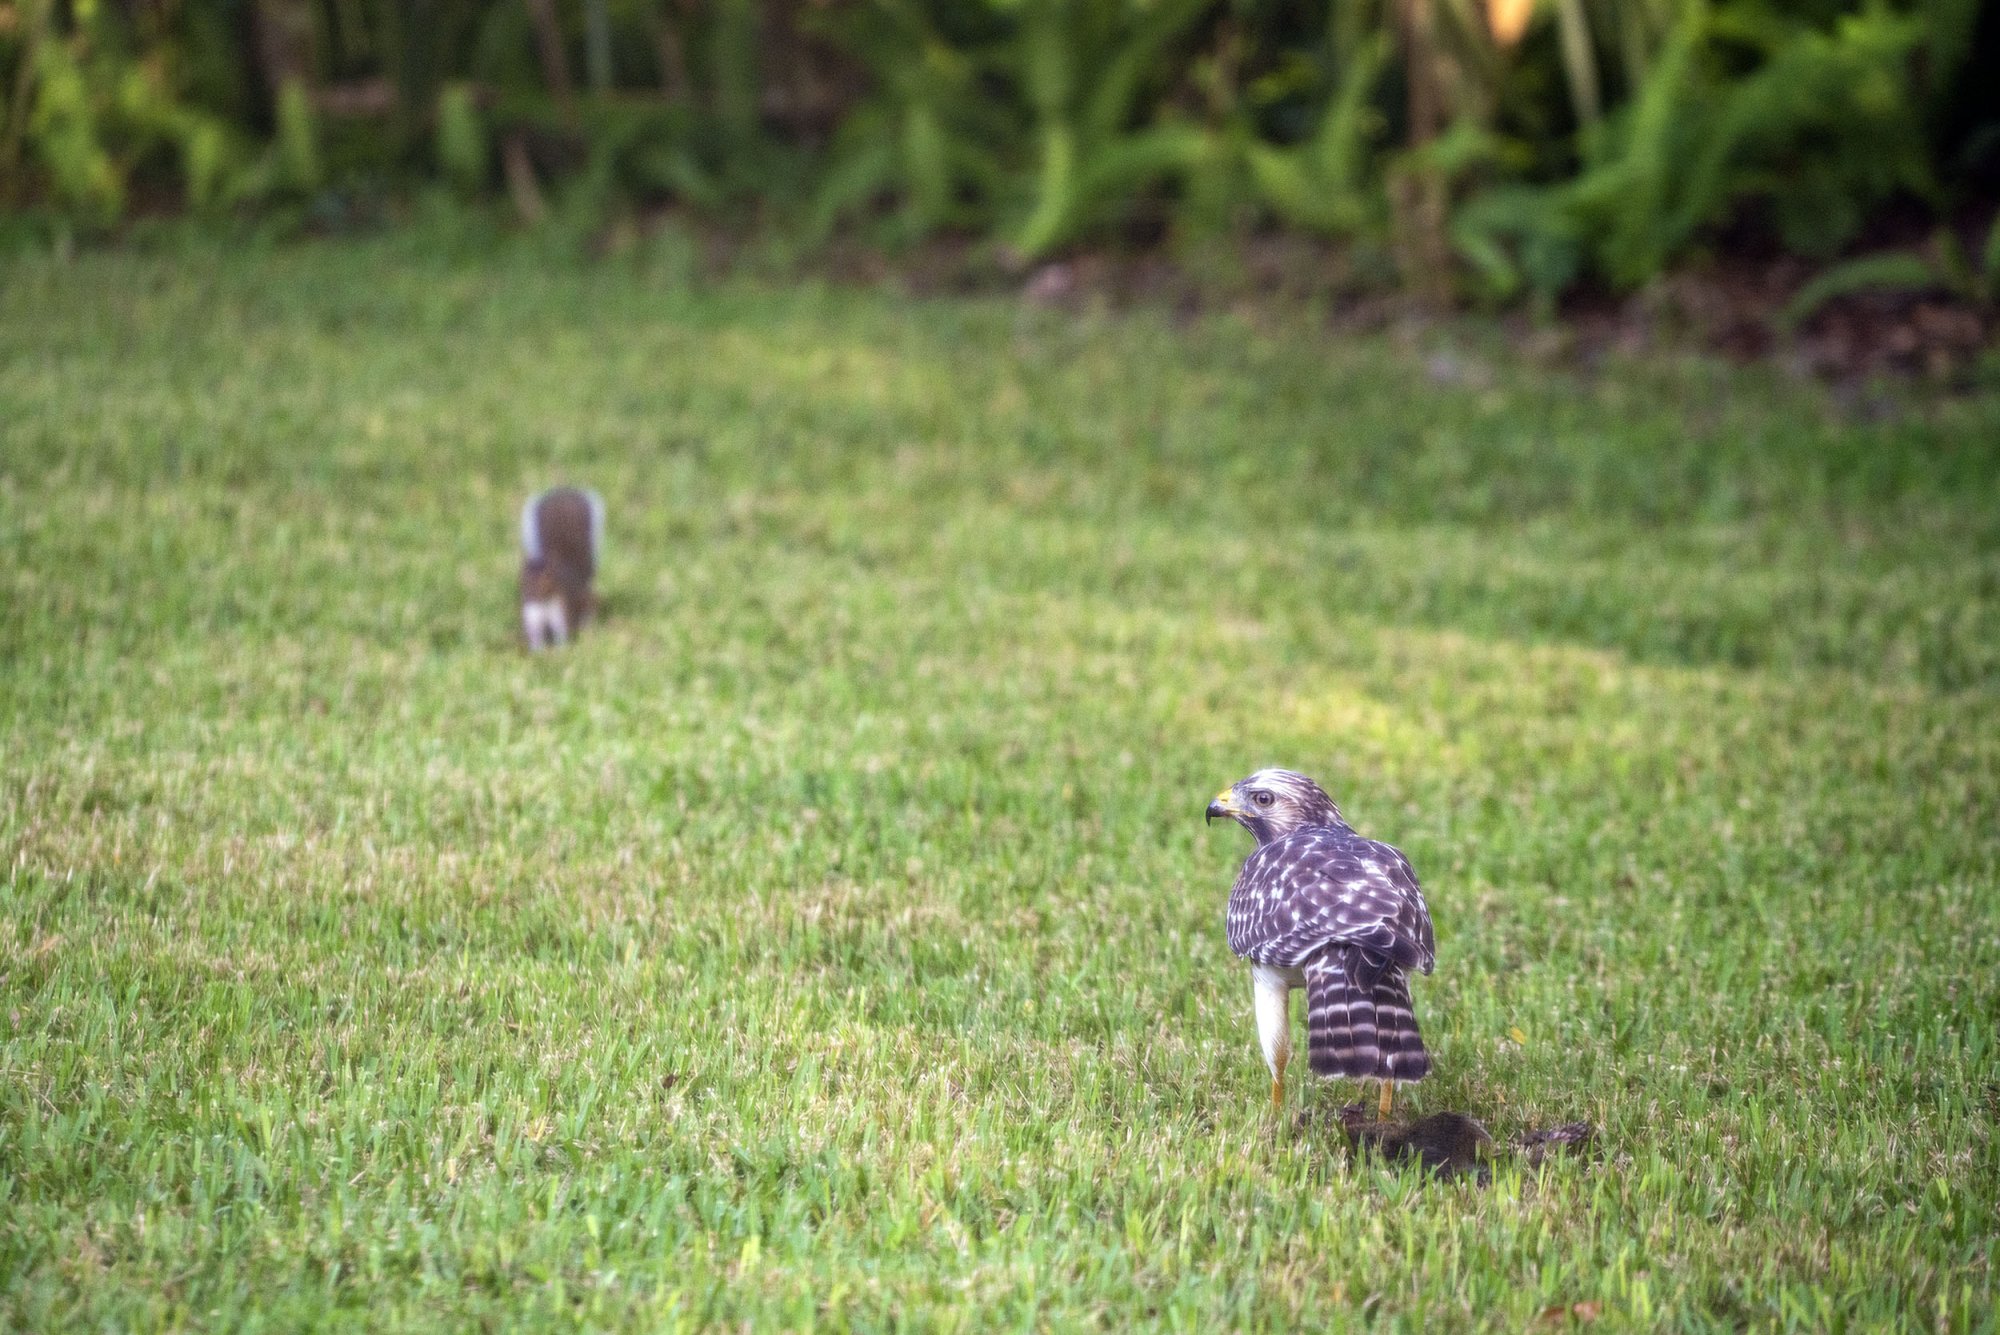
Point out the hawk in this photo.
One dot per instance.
(1317, 906)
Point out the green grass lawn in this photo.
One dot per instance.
(832, 937)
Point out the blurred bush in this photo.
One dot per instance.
(1500, 149)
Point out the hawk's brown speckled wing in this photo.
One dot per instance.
(1320, 885)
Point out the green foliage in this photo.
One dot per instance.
(1824, 125)
(1897, 270)
(1039, 127)
(1324, 184)
(67, 132)
(1607, 142)
(1977, 277)
(733, 63)
(652, 151)
(1084, 68)
(93, 119)
(929, 137)
(832, 941)
(296, 149)
(1950, 270)
(463, 152)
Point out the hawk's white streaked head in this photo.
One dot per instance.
(1274, 802)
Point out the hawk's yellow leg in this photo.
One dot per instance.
(1278, 1082)
(1388, 1100)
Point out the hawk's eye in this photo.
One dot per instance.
(1263, 799)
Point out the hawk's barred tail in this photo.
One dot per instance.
(1341, 1033)
(1403, 1055)
(1359, 1022)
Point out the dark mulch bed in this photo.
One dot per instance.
(1733, 305)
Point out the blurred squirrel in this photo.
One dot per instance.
(562, 534)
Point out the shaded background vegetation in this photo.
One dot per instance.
(1502, 150)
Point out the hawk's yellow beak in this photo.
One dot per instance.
(1224, 804)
